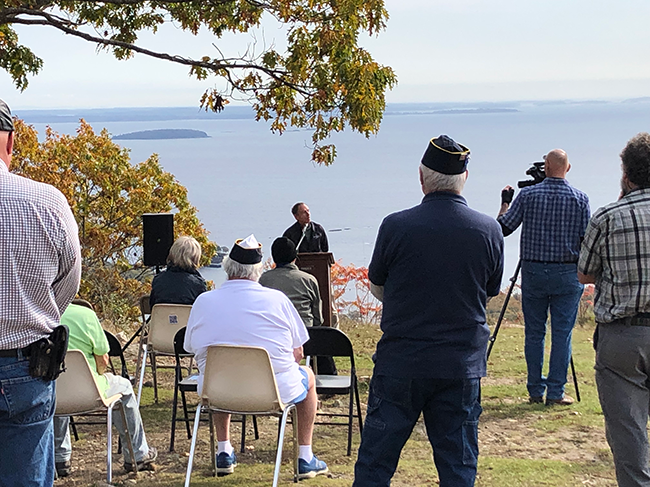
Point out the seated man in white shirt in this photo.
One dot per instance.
(242, 312)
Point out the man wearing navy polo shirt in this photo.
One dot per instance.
(433, 266)
(554, 216)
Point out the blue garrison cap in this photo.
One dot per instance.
(446, 156)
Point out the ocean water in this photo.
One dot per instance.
(243, 179)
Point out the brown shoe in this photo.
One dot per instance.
(536, 400)
(563, 401)
(146, 463)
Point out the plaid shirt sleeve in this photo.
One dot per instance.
(586, 214)
(66, 285)
(590, 262)
(515, 214)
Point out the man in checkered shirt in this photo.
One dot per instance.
(615, 256)
(554, 215)
(40, 267)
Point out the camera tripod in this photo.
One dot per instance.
(493, 337)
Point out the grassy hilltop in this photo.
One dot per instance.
(520, 444)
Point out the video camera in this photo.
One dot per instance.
(536, 172)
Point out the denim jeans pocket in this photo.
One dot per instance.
(567, 281)
(25, 399)
(386, 389)
(392, 389)
(471, 396)
(373, 419)
(470, 443)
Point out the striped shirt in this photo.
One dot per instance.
(554, 216)
(616, 251)
(40, 260)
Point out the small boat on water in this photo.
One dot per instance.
(218, 257)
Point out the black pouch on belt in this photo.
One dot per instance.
(47, 355)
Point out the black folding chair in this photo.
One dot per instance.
(189, 384)
(182, 385)
(115, 351)
(326, 341)
(82, 302)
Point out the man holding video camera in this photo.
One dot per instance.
(553, 215)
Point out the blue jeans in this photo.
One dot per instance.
(544, 288)
(451, 408)
(26, 433)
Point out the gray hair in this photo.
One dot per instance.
(436, 181)
(185, 253)
(234, 269)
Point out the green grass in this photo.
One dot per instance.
(521, 444)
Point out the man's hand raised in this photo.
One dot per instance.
(507, 194)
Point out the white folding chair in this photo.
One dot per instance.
(240, 380)
(77, 393)
(166, 320)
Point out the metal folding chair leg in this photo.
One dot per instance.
(350, 418)
(294, 422)
(109, 443)
(213, 453)
(74, 429)
(356, 393)
(193, 446)
(255, 430)
(141, 345)
(187, 416)
(109, 440)
(278, 457)
(141, 381)
(242, 443)
(154, 371)
(172, 436)
(129, 440)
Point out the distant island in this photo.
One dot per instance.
(163, 134)
(452, 111)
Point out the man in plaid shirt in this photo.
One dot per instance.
(615, 256)
(554, 216)
(40, 267)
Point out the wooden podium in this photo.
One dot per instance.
(318, 265)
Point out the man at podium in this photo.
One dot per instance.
(308, 236)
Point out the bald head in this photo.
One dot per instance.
(556, 164)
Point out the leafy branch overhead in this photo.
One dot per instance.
(323, 81)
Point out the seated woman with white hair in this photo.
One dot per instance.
(181, 282)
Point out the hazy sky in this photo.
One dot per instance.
(451, 50)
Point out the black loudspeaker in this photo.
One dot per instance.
(158, 237)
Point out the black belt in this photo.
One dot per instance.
(552, 261)
(13, 353)
(641, 319)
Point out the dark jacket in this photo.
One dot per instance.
(300, 287)
(315, 240)
(177, 286)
